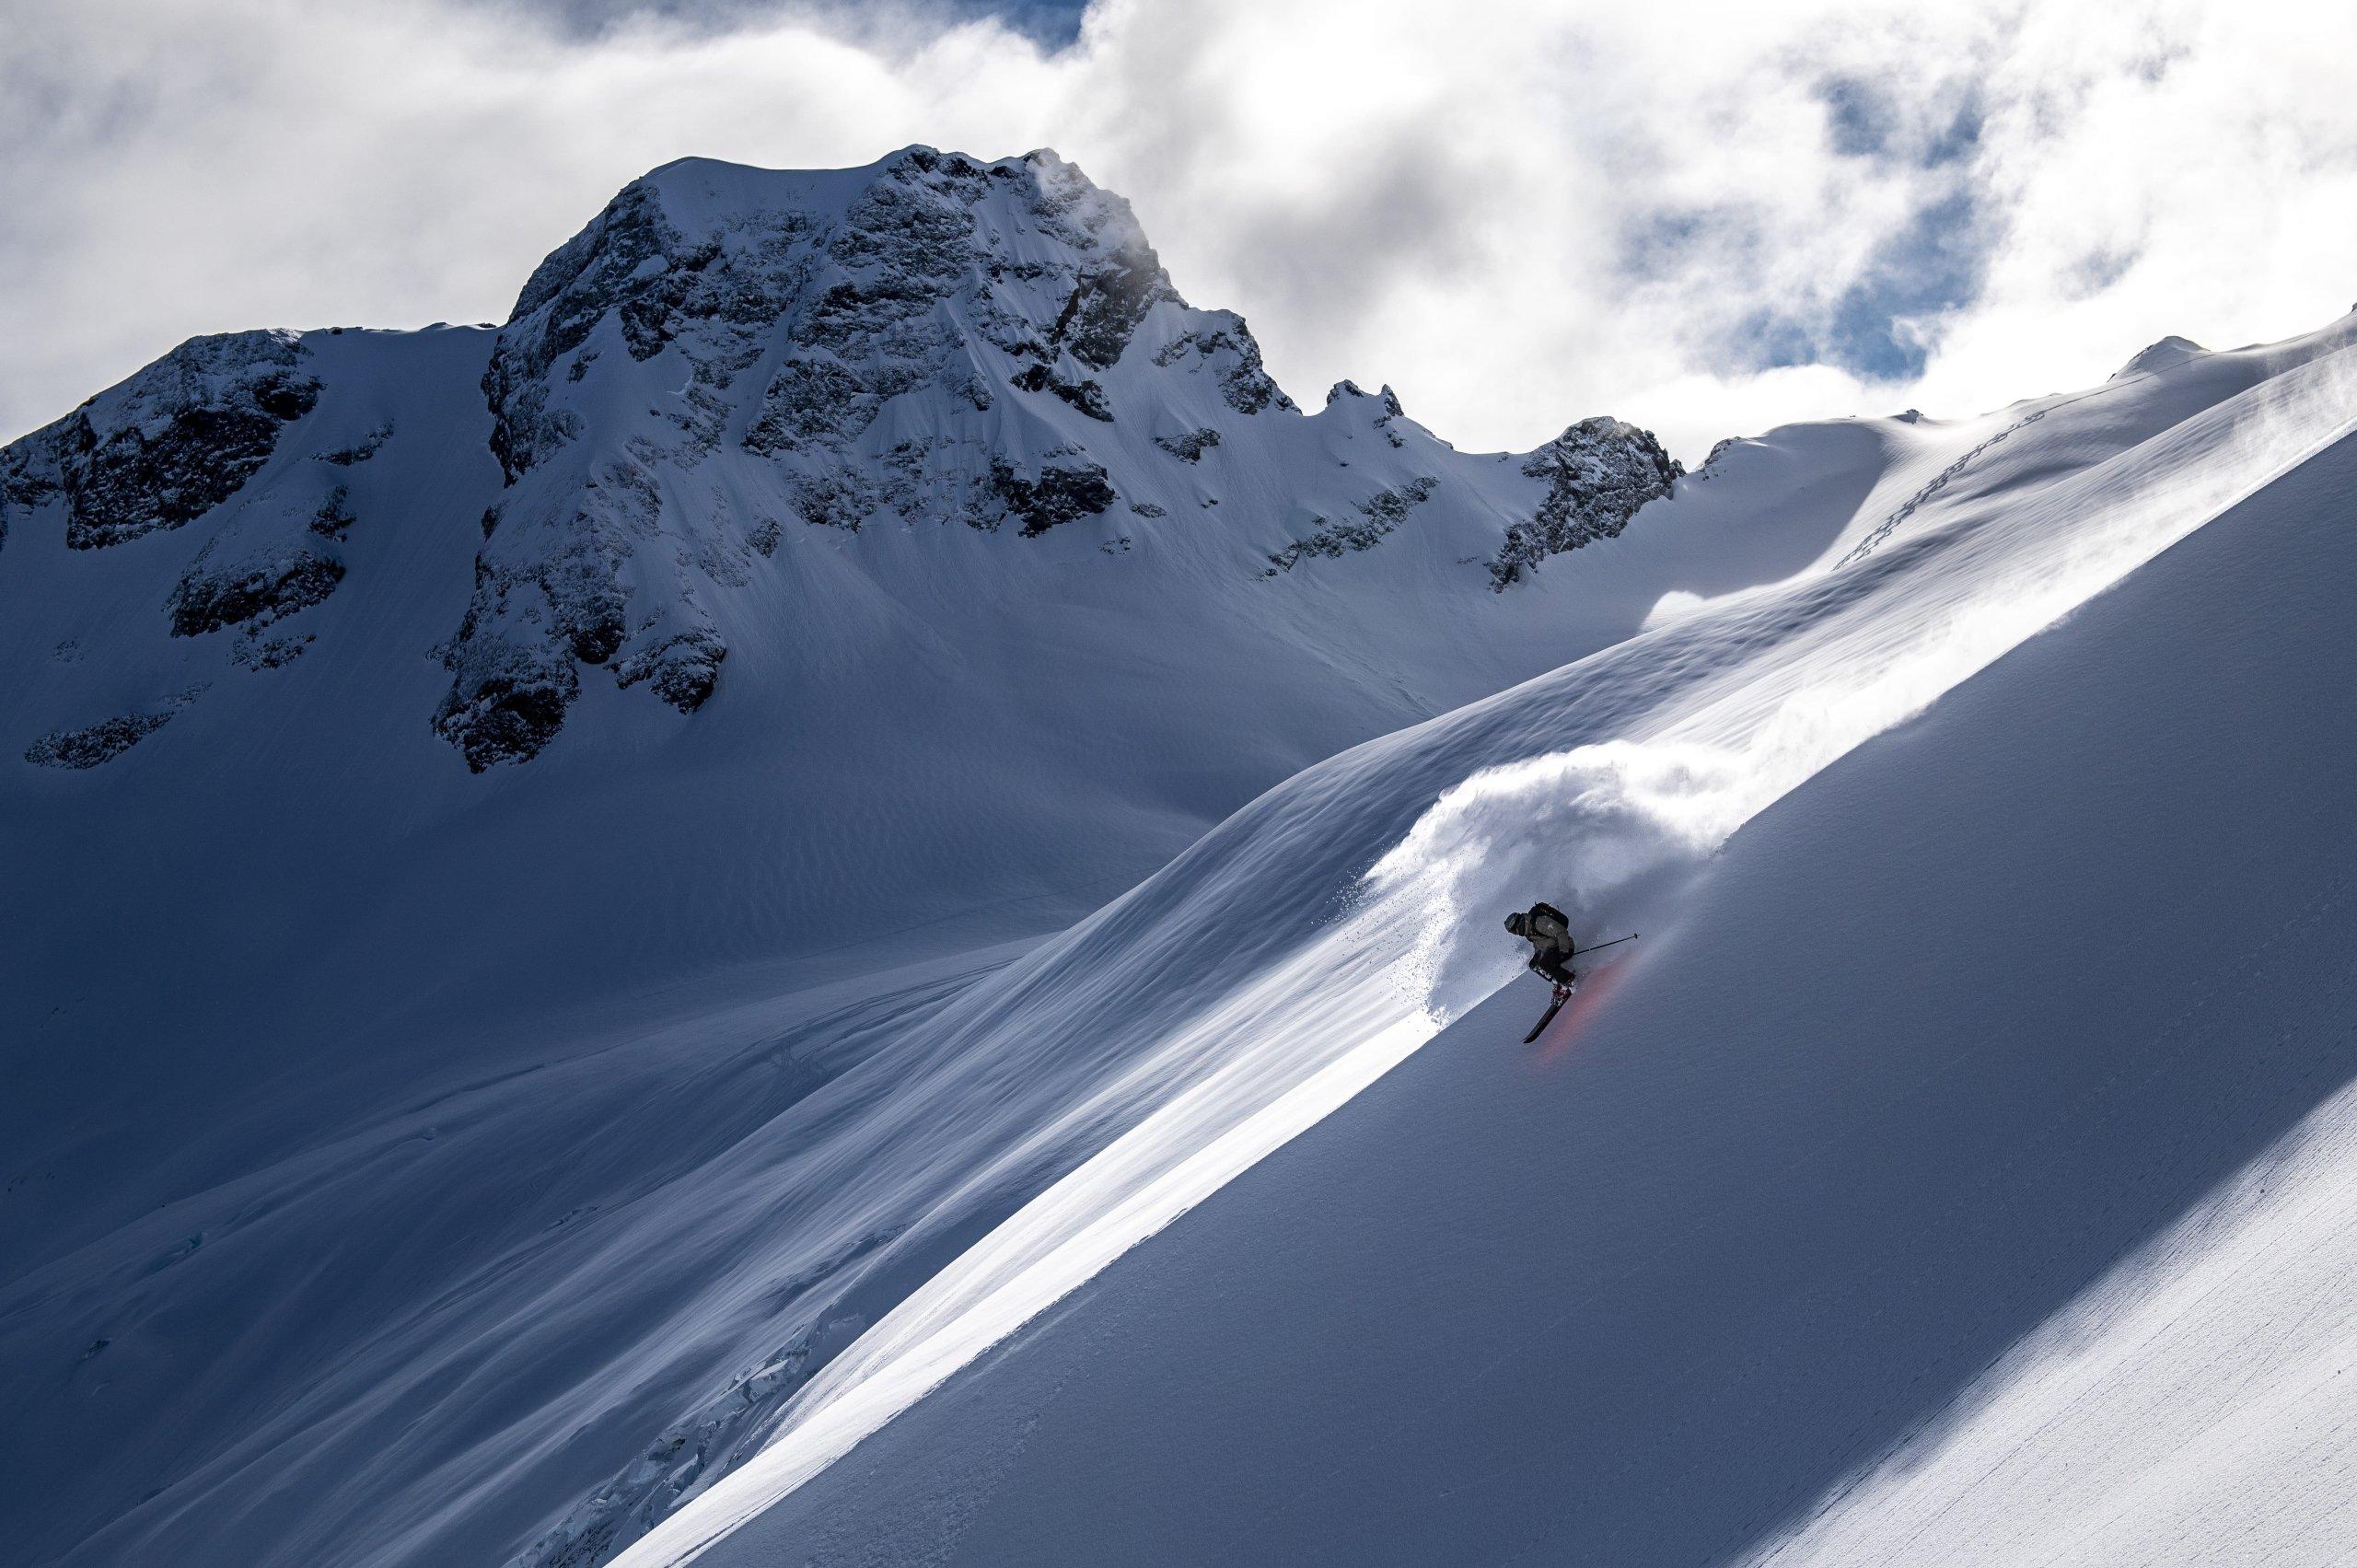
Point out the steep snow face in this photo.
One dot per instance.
(1960, 1175)
(1318, 938)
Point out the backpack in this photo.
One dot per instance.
(1548, 921)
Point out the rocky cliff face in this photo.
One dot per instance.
(1598, 473)
(726, 354)
(929, 341)
(165, 446)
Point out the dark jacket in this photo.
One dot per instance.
(1550, 936)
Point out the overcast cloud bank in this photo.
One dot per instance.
(1697, 217)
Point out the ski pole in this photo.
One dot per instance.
(1614, 942)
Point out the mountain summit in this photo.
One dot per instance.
(726, 355)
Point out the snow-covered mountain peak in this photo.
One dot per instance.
(1346, 389)
(846, 289)
(2166, 355)
(724, 359)
(166, 446)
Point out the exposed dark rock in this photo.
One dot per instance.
(1598, 473)
(334, 518)
(630, 263)
(1229, 352)
(130, 486)
(1106, 305)
(831, 502)
(505, 718)
(1086, 396)
(811, 399)
(102, 742)
(94, 744)
(1387, 403)
(360, 451)
(1189, 446)
(22, 487)
(534, 614)
(682, 669)
(254, 651)
(904, 290)
(206, 600)
(170, 444)
(1378, 516)
(1060, 494)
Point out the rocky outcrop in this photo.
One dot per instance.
(1107, 304)
(1598, 473)
(1189, 446)
(335, 517)
(504, 716)
(1378, 516)
(1061, 492)
(1084, 395)
(208, 599)
(167, 445)
(94, 744)
(25, 484)
(1720, 448)
(106, 739)
(724, 314)
(682, 670)
(1228, 354)
(360, 451)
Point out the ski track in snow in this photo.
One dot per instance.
(1674, 740)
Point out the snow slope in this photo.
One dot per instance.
(1953, 1176)
(1613, 781)
(417, 1117)
(472, 1122)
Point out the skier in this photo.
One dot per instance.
(1550, 936)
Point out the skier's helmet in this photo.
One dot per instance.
(1517, 921)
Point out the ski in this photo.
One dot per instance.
(1563, 994)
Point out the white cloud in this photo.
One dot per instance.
(1697, 216)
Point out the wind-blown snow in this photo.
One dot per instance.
(1682, 735)
(1954, 1177)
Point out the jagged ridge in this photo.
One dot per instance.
(724, 353)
